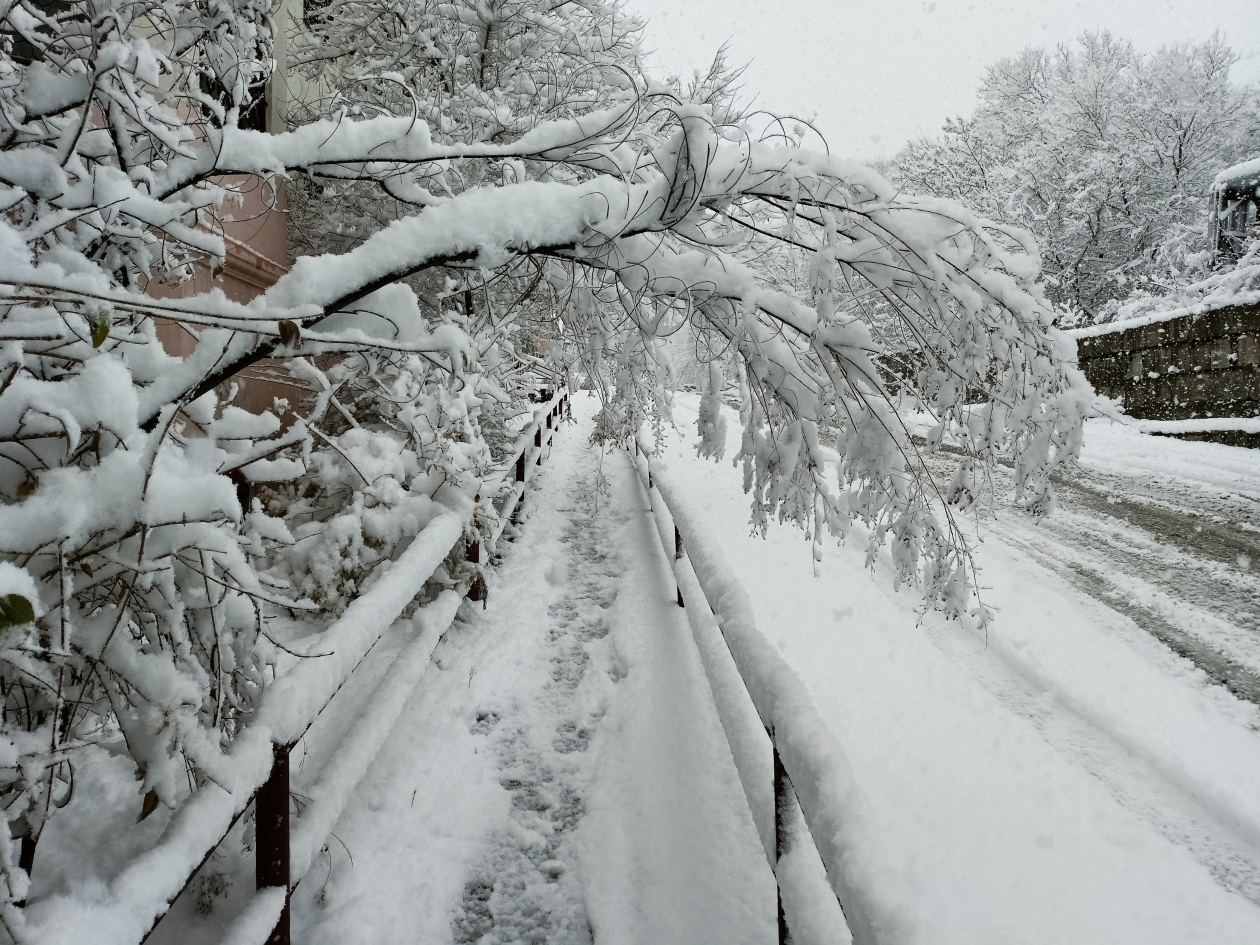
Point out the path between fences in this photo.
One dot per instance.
(542, 762)
(560, 774)
(609, 751)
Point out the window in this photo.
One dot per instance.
(25, 52)
(253, 116)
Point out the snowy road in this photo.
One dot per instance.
(1070, 778)
(1165, 532)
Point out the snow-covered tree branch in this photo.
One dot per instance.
(507, 164)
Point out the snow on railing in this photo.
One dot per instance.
(140, 894)
(809, 770)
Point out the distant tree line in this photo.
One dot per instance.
(1105, 153)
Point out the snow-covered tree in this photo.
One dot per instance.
(141, 595)
(1106, 154)
(473, 72)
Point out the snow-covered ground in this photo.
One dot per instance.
(1067, 778)
(1088, 773)
(560, 774)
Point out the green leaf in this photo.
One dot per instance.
(100, 331)
(15, 610)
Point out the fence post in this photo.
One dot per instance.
(477, 590)
(271, 837)
(678, 553)
(520, 467)
(782, 829)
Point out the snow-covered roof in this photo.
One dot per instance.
(1240, 175)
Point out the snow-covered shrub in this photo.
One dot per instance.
(1235, 283)
(398, 442)
(151, 609)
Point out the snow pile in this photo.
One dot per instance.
(835, 807)
(1237, 285)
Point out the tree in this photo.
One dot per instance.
(1105, 154)
(140, 591)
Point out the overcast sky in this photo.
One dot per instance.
(878, 72)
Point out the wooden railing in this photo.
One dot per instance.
(142, 892)
(274, 841)
(809, 776)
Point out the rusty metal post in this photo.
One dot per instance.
(271, 837)
(520, 477)
(782, 828)
(477, 590)
(678, 553)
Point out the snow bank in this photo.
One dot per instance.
(1238, 285)
(834, 805)
(1201, 425)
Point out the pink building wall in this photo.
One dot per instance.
(255, 233)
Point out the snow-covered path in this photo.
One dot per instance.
(560, 774)
(1067, 779)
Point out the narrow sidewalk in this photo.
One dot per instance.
(560, 774)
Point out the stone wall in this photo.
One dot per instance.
(1186, 368)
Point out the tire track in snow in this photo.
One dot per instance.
(1169, 570)
(1175, 810)
(1180, 569)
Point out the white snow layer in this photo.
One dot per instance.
(560, 773)
(835, 807)
(978, 756)
(1201, 425)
